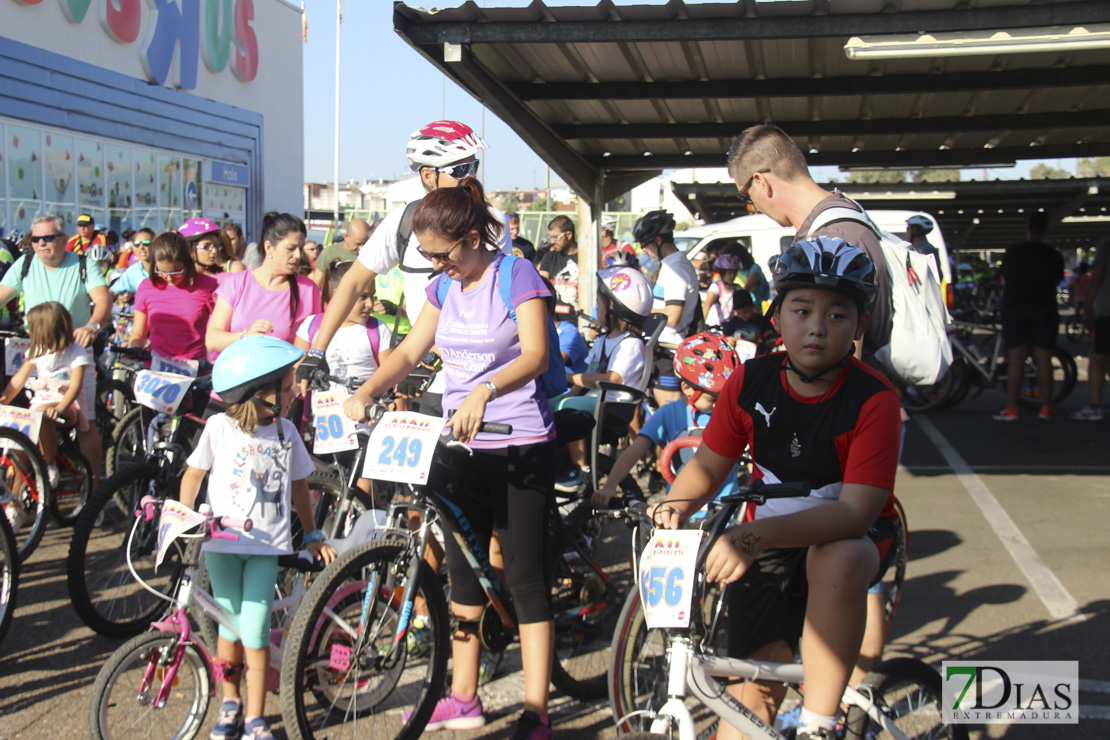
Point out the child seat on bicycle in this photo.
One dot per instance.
(814, 414)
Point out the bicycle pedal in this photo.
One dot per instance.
(340, 658)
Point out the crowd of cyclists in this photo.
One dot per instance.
(686, 347)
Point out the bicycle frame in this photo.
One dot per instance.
(990, 376)
(693, 671)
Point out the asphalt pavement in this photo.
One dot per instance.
(1007, 552)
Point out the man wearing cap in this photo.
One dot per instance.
(86, 235)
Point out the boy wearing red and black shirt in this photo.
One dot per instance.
(813, 414)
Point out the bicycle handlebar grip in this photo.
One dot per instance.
(227, 522)
(679, 443)
(493, 427)
(799, 489)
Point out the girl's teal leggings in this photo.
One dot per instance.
(244, 585)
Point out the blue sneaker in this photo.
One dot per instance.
(570, 481)
(487, 667)
(229, 725)
(257, 729)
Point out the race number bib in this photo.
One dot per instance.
(667, 577)
(176, 518)
(24, 421)
(162, 392)
(335, 431)
(745, 350)
(402, 446)
(15, 351)
(188, 368)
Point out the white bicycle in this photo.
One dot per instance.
(658, 676)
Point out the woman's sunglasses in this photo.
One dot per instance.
(441, 256)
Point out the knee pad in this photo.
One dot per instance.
(225, 671)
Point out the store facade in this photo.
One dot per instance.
(146, 113)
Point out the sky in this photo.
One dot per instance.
(388, 90)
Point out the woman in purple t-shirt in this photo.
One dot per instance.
(491, 364)
(272, 299)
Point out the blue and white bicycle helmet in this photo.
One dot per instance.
(829, 263)
(920, 222)
(250, 365)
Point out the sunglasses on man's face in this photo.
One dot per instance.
(744, 197)
(460, 171)
(48, 238)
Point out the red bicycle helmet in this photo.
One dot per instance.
(442, 143)
(705, 361)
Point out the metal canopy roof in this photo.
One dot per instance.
(972, 215)
(610, 96)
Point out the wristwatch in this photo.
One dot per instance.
(95, 326)
(492, 389)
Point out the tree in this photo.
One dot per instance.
(1044, 172)
(897, 176)
(509, 203)
(1099, 167)
(541, 204)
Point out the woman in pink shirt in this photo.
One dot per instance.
(273, 299)
(211, 248)
(173, 305)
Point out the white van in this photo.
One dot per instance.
(764, 239)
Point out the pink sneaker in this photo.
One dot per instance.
(455, 713)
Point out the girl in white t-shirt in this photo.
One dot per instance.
(623, 303)
(358, 347)
(55, 370)
(258, 465)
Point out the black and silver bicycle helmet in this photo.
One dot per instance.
(829, 263)
(653, 224)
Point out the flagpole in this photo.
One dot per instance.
(338, 23)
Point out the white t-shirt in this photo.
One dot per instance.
(51, 376)
(677, 283)
(721, 310)
(624, 354)
(250, 475)
(382, 253)
(350, 355)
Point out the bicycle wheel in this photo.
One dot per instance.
(327, 489)
(23, 485)
(1064, 376)
(909, 693)
(637, 667)
(590, 577)
(326, 695)
(102, 589)
(928, 397)
(122, 701)
(73, 489)
(128, 443)
(9, 575)
(896, 574)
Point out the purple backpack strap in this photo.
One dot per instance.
(373, 332)
(314, 327)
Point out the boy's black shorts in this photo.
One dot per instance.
(768, 603)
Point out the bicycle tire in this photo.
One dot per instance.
(327, 489)
(898, 685)
(128, 443)
(73, 489)
(1065, 374)
(896, 573)
(115, 710)
(584, 606)
(637, 678)
(104, 593)
(114, 398)
(9, 575)
(923, 398)
(319, 701)
(23, 475)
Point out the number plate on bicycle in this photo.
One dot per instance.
(161, 391)
(160, 364)
(176, 518)
(667, 577)
(24, 421)
(15, 350)
(402, 446)
(335, 431)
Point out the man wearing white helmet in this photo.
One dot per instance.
(442, 153)
(917, 229)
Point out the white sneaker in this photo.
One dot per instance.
(53, 476)
(16, 516)
(1088, 413)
